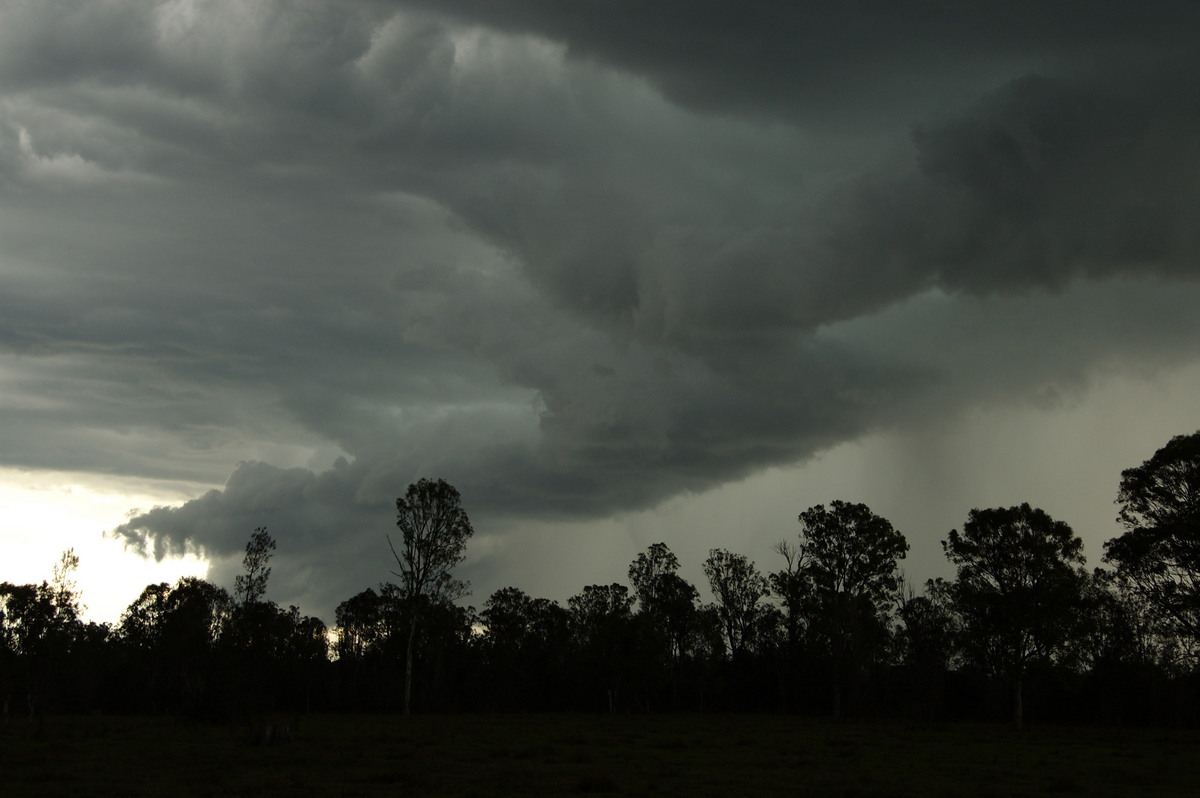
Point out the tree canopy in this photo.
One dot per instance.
(1018, 589)
(1158, 556)
(847, 550)
(250, 587)
(738, 588)
(434, 530)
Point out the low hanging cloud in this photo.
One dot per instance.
(574, 261)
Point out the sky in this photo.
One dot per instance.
(620, 272)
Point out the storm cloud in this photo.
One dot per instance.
(574, 258)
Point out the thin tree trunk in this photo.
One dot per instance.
(408, 665)
(1018, 702)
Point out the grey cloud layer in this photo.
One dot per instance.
(839, 64)
(453, 240)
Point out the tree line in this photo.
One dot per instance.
(1022, 629)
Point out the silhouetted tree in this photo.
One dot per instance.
(39, 625)
(305, 651)
(274, 653)
(667, 612)
(1018, 590)
(276, 666)
(1134, 654)
(140, 634)
(927, 643)
(845, 575)
(191, 648)
(601, 620)
(847, 550)
(738, 588)
(446, 645)
(198, 613)
(257, 638)
(251, 586)
(372, 635)
(1158, 558)
(26, 617)
(526, 640)
(791, 586)
(930, 626)
(41, 618)
(169, 636)
(361, 626)
(434, 529)
(141, 623)
(254, 628)
(507, 616)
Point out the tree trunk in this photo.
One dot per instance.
(408, 665)
(1018, 702)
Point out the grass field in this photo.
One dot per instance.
(689, 755)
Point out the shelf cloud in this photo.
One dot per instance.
(576, 259)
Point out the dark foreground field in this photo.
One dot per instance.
(566, 755)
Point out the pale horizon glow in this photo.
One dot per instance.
(46, 513)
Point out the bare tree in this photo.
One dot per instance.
(434, 529)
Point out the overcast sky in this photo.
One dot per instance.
(620, 272)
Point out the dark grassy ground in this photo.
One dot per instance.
(568, 755)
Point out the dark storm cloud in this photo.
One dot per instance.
(1040, 182)
(1058, 180)
(451, 240)
(813, 61)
